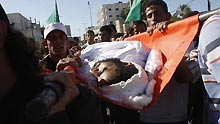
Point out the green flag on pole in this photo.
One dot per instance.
(135, 11)
(54, 17)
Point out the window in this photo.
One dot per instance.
(110, 15)
(117, 16)
(109, 9)
(111, 22)
(116, 9)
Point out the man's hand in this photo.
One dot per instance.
(73, 61)
(70, 89)
(161, 26)
(76, 50)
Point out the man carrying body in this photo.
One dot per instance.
(171, 106)
(55, 35)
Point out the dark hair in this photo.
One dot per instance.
(130, 30)
(4, 17)
(140, 22)
(113, 27)
(157, 2)
(117, 35)
(76, 38)
(126, 72)
(106, 28)
(23, 60)
(90, 31)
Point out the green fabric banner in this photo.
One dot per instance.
(135, 11)
(54, 17)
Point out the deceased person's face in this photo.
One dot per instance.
(112, 71)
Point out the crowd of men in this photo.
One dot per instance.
(192, 95)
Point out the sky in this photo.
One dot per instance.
(76, 13)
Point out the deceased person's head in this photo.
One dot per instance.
(111, 71)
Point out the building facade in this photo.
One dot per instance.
(26, 26)
(68, 30)
(109, 13)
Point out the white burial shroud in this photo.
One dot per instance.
(136, 92)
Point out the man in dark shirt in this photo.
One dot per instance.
(55, 36)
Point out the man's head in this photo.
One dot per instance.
(156, 11)
(76, 41)
(113, 28)
(70, 42)
(111, 71)
(139, 26)
(90, 35)
(16, 53)
(73, 41)
(55, 35)
(105, 33)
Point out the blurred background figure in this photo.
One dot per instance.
(70, 42)
(129, 33)
(73, 45)
(76, 41)
(90, 38)
(105, 33)
(113, 28)
(118, 37)
(139, 26)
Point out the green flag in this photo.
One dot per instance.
(54, 17)
(135, 11)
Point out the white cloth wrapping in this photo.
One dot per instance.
(136, 92)
(131, 92)
(154, 63)
(133, 51)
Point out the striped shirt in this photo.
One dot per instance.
(209, 60)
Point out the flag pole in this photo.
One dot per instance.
(206, 15)
(130, 3)
(57, 13)
(90, 12)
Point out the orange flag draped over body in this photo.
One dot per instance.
(173, 46)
